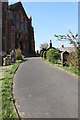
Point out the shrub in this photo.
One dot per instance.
(72, 60)
(18, 54)
(53, 55)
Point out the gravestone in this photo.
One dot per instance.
(13, 56)
(44, 54)
(1, 63)
(41, 53)
(64, 56)
(2, 55)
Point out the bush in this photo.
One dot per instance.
(53, 55)
(18, 54)
(72, 60)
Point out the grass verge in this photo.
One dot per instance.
(0, 101)
(8, 110)
(69, 69)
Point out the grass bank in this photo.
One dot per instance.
(0, 101)
(69, 69)
(8, 110)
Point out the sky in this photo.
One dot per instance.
(49, 18)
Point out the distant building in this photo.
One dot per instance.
(43, 52)
(51, 46)
(17, 30)
(66, 49)
(63, 50)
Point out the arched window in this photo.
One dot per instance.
(19, 22)
(15, 21)
(24, 24)
(26, 21)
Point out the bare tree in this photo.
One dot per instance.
(73, 58)
(43, 46)
(73, 39)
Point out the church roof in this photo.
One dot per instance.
(13, 6)
(16, 7)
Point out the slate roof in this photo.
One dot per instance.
(54, 48)
(61, 49)
(68, 49)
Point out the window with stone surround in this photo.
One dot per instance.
(19, 21)
(15, 21)
(24, 24)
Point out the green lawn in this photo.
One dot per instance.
(69, 69)
(6, 98)
(0, 101)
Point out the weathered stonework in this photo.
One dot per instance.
(17, 30)
(0, 32)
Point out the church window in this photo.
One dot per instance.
(24, 24)
(19, 22)
(15, 21)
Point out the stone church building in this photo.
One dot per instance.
(17, 30)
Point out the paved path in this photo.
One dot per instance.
(43, 91)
